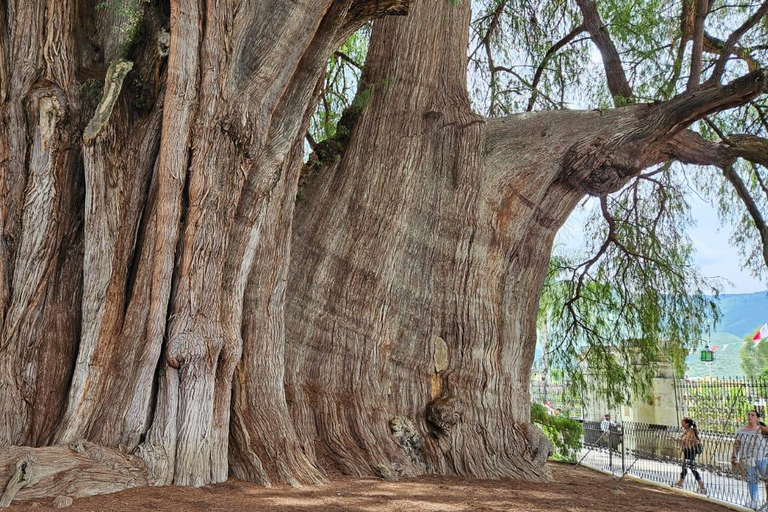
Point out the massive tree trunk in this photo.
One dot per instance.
(419, 253)
(130, 222)
(151, 325)
(416, 265)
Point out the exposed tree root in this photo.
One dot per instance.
(77, 470)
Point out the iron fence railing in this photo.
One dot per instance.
(720, 405)
(654, 453)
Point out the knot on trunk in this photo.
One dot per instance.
(598, 166)
(409, 438)
(539, 447)
(444, 413)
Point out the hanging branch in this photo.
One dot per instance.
(751, 205)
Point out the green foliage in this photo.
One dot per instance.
(340, 85)
(564, 433)
(637, 300)
(754, 357)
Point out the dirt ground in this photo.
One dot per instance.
(573, 490)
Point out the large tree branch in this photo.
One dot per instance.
(716, 46)
(679, 112)
(614, 71)
(730, 43)
(690, 147)
(702, 8)
(362, 11)
(751, 205)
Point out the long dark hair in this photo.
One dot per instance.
(692, 424)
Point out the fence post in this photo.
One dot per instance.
(610, 448)
(623, 470)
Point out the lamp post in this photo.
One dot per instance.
(708, 357)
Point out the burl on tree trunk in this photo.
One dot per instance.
(148, 306)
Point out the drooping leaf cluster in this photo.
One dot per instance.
(637, 300)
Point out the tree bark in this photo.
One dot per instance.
(413, 292)
(188, 158)
(419, 252)
(147, 302)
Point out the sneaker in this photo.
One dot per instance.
(702, 490)
(678, 484)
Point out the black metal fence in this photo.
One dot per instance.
(720, 405)
(654, 453)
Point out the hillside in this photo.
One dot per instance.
(743, 313)
(727, 360)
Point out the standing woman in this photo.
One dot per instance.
(688, 441)
(749, 449)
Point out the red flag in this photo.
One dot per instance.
(761, 334)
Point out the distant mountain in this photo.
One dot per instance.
(743, 313)
(727, 361)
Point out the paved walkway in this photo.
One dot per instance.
(720, 484)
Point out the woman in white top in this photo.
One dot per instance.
(749, 449)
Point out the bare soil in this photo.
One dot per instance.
(572, 489)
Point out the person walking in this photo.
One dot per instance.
(749, 450)
(605, 429)
(689, 441)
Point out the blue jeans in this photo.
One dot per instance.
(752, 473)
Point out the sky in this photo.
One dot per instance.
(714, 254)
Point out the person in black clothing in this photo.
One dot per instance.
(689, 440)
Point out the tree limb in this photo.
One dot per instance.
(716, 46)
(614, 72)
(690, 147)
(702, 8)
(554, 49)
(343, 56)
(751, 205)
(365, 10)
(730, 44)
(679, 112)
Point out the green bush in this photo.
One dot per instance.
(564, 433)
